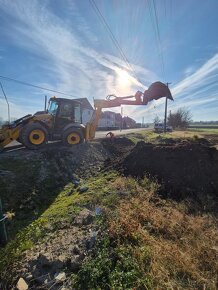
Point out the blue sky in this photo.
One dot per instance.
(62, 44)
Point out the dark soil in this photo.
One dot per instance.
(117, 146)
(30, 180)
(185, 169)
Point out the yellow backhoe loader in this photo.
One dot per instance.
(63, 121)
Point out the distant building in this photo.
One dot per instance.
(128, 123)
(107, 120)
(111, 120)
(87, 110)
(118, 120)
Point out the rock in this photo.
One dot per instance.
(82, 189)
(76, 183)
(61, 277)
(89, 243)
(21, 284)
(85, 217)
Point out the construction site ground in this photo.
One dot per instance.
(135, 212)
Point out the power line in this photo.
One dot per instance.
(159, 39)
(35, 86)
(155, 23)
(112, 37)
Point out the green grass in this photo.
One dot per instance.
(105, 190)
(150, 136)
(63, 208)
(144, 243)
(204, 130)
(114, 268)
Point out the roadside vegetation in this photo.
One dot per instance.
(143, 241)
(152, 137)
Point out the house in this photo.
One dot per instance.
(118, 120)
(87, 110)
(128, 123)
(107, 120)
(110, 120)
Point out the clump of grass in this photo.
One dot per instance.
(182, 247)
(114, 267)
(195, 138)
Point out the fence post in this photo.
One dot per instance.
(3, 233)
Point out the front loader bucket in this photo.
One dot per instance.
(156, 91)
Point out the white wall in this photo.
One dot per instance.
(86, 115)
(109, 121)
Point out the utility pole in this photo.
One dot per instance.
(121, 120)
(45, 107)
(165, 117)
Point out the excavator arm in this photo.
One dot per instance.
(156, 91)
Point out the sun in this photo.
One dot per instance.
(123, 78)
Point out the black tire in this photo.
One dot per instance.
(72, 137)
(34, 136)
(19, 139)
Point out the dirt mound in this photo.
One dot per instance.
(117, 146)
(186, 168)
(30, 180)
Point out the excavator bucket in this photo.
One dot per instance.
(156, 91)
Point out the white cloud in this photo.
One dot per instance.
(198, 89)
(79, 69)
(68, 55)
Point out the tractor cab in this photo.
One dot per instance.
(64, 112)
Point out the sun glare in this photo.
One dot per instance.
(123, 78)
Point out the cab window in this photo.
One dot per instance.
(66, 110)
(52, 110)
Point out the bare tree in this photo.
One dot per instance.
(181, 119)
(157, 119)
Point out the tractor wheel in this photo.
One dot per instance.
(34, 136)
(72, 137)
(19, 139)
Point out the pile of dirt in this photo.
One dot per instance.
(31, 180)
(185, 169)
(117, 146)
(117, 149)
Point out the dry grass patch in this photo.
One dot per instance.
(183, 247)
